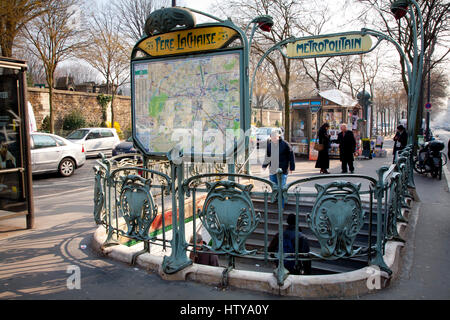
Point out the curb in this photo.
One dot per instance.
(343, 285)
(447, 177)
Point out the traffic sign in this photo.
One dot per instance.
(428, 105)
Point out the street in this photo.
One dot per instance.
(36, 264)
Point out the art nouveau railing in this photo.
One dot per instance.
(166, 206)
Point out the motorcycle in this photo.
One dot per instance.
(431, 159)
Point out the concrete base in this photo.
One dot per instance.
(349, 284)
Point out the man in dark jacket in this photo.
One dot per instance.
(279, 154)
(347, 147)
(201, 257)
(400, 141)
(303, 267)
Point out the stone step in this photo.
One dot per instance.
(349, 264)
(272, 229)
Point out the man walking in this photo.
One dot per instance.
(400, 141)
(279, 154)
(347, 147)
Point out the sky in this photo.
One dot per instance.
(339, 22)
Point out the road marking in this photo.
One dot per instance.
(62, 193)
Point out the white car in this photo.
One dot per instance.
(95, 140)
(52, 153)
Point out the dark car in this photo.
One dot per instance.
(124, 147)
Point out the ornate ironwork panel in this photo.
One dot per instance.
(337, 218)
(99, 197)
(137, 205)
(229, 216)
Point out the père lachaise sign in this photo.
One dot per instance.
(329, 46)
(186, 41)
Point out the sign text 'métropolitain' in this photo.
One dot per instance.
(329, 46)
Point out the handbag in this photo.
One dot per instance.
(318, 146)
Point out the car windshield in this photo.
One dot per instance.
(77, 134)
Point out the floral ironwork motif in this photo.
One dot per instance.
(99, 197)
(137, 205)
(336, 218)
(229, 216)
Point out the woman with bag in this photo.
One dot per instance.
(323, 160)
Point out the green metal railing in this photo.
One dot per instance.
(149, 205)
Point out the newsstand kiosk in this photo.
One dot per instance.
(16, 194)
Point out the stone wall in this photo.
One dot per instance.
(66, 101)
(269, 117)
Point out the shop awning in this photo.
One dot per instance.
(338, 97)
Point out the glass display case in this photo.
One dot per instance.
(15, 167)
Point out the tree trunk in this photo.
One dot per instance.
(112, 108)
(286, 115)
(50, 102)
(261, 116)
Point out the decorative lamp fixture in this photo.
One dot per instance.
(265, 23)
(399, 8)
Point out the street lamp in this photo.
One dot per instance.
(399, 9)
(264, 22)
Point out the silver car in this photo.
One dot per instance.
(95, 140)
(263, 136)
(52, 153)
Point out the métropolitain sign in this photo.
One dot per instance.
(343, 44)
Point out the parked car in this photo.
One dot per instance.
(263, 135)
(52, 153)
(126, 146)
(95, 140)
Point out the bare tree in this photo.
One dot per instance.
(133, 14)
(80, 73)
(338, 71)
(53, 38)
(313, 24)
(109, 51)
(14, 15)
(284, 13)
(436, 25)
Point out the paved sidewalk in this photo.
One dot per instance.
(34, 263)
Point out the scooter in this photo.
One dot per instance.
(431, 159)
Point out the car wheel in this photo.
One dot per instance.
(66, 167)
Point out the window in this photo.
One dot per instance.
(77, 134)
(107, 134)
(41, 141)
(94, 134)
(60, 141)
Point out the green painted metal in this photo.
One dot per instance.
(229, 217)
(137, 206)
(178, 259)
(337, 218)
(126, 189)
(228, 214)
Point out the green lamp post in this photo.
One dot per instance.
(399, 9)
